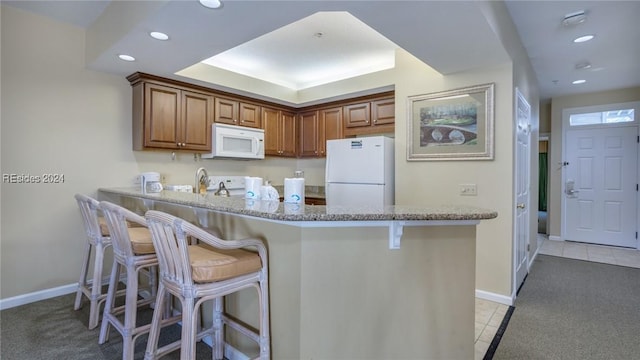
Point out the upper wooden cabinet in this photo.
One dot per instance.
(371, 117)
(309, 134)
(166, 117)
(173, 115)
(356, 115)
(279, 132)
(316, 127)
(234, 112)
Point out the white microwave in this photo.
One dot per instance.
(236, 142)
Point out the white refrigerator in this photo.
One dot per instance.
(360, 172)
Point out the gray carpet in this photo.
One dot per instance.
(51, 329)
(574, 309)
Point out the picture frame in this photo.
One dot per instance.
(451, 125)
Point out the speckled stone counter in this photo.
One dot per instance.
(293, 212)
(341, 283)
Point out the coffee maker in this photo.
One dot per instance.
(150, 182)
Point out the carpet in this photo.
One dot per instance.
(51, 329)
(574, 309)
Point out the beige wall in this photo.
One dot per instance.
(60, 117)
(556, 156)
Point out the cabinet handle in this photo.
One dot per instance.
(375, 120)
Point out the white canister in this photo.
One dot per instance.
(252, 187)
(294, 190)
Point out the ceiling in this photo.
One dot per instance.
(423, 28)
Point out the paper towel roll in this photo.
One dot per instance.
(294, 190)
(252, 187)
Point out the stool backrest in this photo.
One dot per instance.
(89, 208)
(117, 217)
(170, 242)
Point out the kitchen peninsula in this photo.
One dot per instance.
(345, 283)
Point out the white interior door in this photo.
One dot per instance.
(600, 185)
(523, 183)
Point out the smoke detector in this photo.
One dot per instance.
(574, 18)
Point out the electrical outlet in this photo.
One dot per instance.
(468, 190)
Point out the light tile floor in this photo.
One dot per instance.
(489, 314)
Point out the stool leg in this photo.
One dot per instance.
(218, 329)
(110, 303)
(188, 345)
(156, 324)
(130, 309)
(96, 287)
(82, 282)
(263, 300)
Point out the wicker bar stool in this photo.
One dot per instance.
(209, 271)
(133, 251)
(99, 240)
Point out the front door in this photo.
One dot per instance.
(600, 185)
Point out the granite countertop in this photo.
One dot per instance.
(275, 210)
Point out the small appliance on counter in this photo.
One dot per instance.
(150, 182)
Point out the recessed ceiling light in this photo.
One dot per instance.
(126, 57)
(159, 36)
(583, 38)
(211, 4)
(576, 82)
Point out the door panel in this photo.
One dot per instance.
(523, 181)
(600, 188)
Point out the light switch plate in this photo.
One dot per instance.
(468, 190)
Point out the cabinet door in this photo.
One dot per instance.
(197, 116)
(161, 116)
(289, 137)
(383, 111)
(249, 115)
(308, 133)
(357, 115)
(271, 123)
(330, 127)
(226, 111)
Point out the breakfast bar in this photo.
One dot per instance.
(395, 282)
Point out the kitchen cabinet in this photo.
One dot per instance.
(234, 112)
(316, 127)
(372, 117)
(167, 117)
(279, 132)
(309, 134)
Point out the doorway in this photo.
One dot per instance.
(600, 175)
(543, 180)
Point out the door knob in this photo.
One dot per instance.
(520, 206)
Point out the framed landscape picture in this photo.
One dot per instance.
(451, 125)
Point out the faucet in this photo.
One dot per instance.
(202, 179)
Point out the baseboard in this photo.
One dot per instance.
(37, 296)
(47, 294)
(555, 238)
(502, 299)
